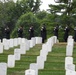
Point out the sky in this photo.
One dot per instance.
(45, 3)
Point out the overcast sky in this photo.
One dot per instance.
(45, 3)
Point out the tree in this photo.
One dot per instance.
(67, 11)
(64, 12)
(5, 15)
(26, 20)
(41, 14)
(24, 6)
(11, 11)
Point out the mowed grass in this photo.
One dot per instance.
(56, 60)
(53, 66)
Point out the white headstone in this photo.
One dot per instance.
(3, 69)
(43, 54)
(70, 67)
(23, 40)
(19, 40)
(23, 48)
(50, 41)
(44, 48)
(15, 41)
(11, 44)
(29, 72)
(49, 46)
(34, 66)
(31, 43)
(55, 39)
(17, 54)
(70, 42)
(4, 41)
(68, 60)
(11, 61)
(38, 40)
(27, 45)
(69, 50)
(1, 47)
(6, 44)
(40, 62)
(34, 40)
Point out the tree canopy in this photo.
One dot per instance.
(67, 11)
(11, 11)
(27, 12)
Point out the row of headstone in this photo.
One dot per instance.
(6, 44)
(69, 66)
(46, 47)
(10, 43)
(24, 46)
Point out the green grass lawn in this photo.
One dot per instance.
(53, 66)
(56, 60)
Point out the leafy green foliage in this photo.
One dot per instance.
(26, 21)
(48, 20)
(11, 11)
(67, 12)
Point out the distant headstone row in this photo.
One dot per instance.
(10, 43)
